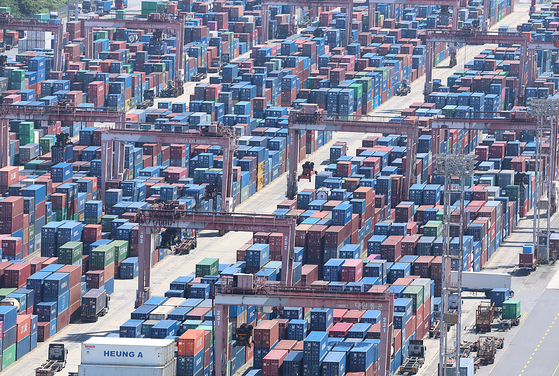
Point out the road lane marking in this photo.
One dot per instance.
(554, 372)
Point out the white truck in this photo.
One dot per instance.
(483, 282)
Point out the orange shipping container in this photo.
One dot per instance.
(23, 326)
(191, 342)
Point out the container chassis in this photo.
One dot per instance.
(411, 365)
(57, 357)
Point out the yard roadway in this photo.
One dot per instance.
(209, 245)
(533, 350)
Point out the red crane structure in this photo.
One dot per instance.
(114, 140)
(277, 295)
(372, 5)
(50, 113)
(156, 22)
(8, 22)
(182, 219)
(274, 295)
(347, 4)
(473, 37)
(299, 121)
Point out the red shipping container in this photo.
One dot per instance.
(198, 313)
(11, 206)
(391, 248)
(352, 271)
(339, 315)
(75, 273)
(422, 266)
(286, 344)
(37, 264)
(271, 364)
(94, 279)
(43, 331)
(8, 176)
(9, 225)
(11, 245)
(191, 342)
(266, 334)
(309, 274)
(339, 330)
(23, 326)
(353, 316)
(62, 320)
(408, 244)
(16, 275)
(92, 233)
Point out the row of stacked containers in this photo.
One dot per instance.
(254, 95)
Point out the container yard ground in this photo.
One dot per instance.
(529, 289)
(539, 305)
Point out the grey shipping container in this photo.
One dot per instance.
(94, 304)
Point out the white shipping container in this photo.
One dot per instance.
(161, 312)
(478, 281)
(98, 370)
(128, 352)
(174, 302)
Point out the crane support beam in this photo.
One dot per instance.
(279, 296)
(183, 219)
(50, 113)
(347, 4)
(120, 136)
(175, 25)
(24, 24)
(341, 123)
(484, 124)
(372, 6)
(473, 37)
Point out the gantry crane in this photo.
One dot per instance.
(347, 4)
(299, 121)
(453, 166)
(155, 22)
(50, 113)
(8, 22)
(534, 46)
(372, 5)
(211, 135)
(171, 217)
(473, 37)
(273, 295)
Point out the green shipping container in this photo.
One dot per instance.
(61, 214)
(414, 293)
(208, 266)
(102, 256)
(106, 221)
(9, 356)
(70, 253)
(207, 328)
(511, 309)
(17, 75)
(121, 249)
(92, 220)
(6, 291)
(46, 143)
(34, 164)
(433, 228)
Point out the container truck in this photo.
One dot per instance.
(56, 360)
(95, 303)
(103, 6)
(483, 282)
